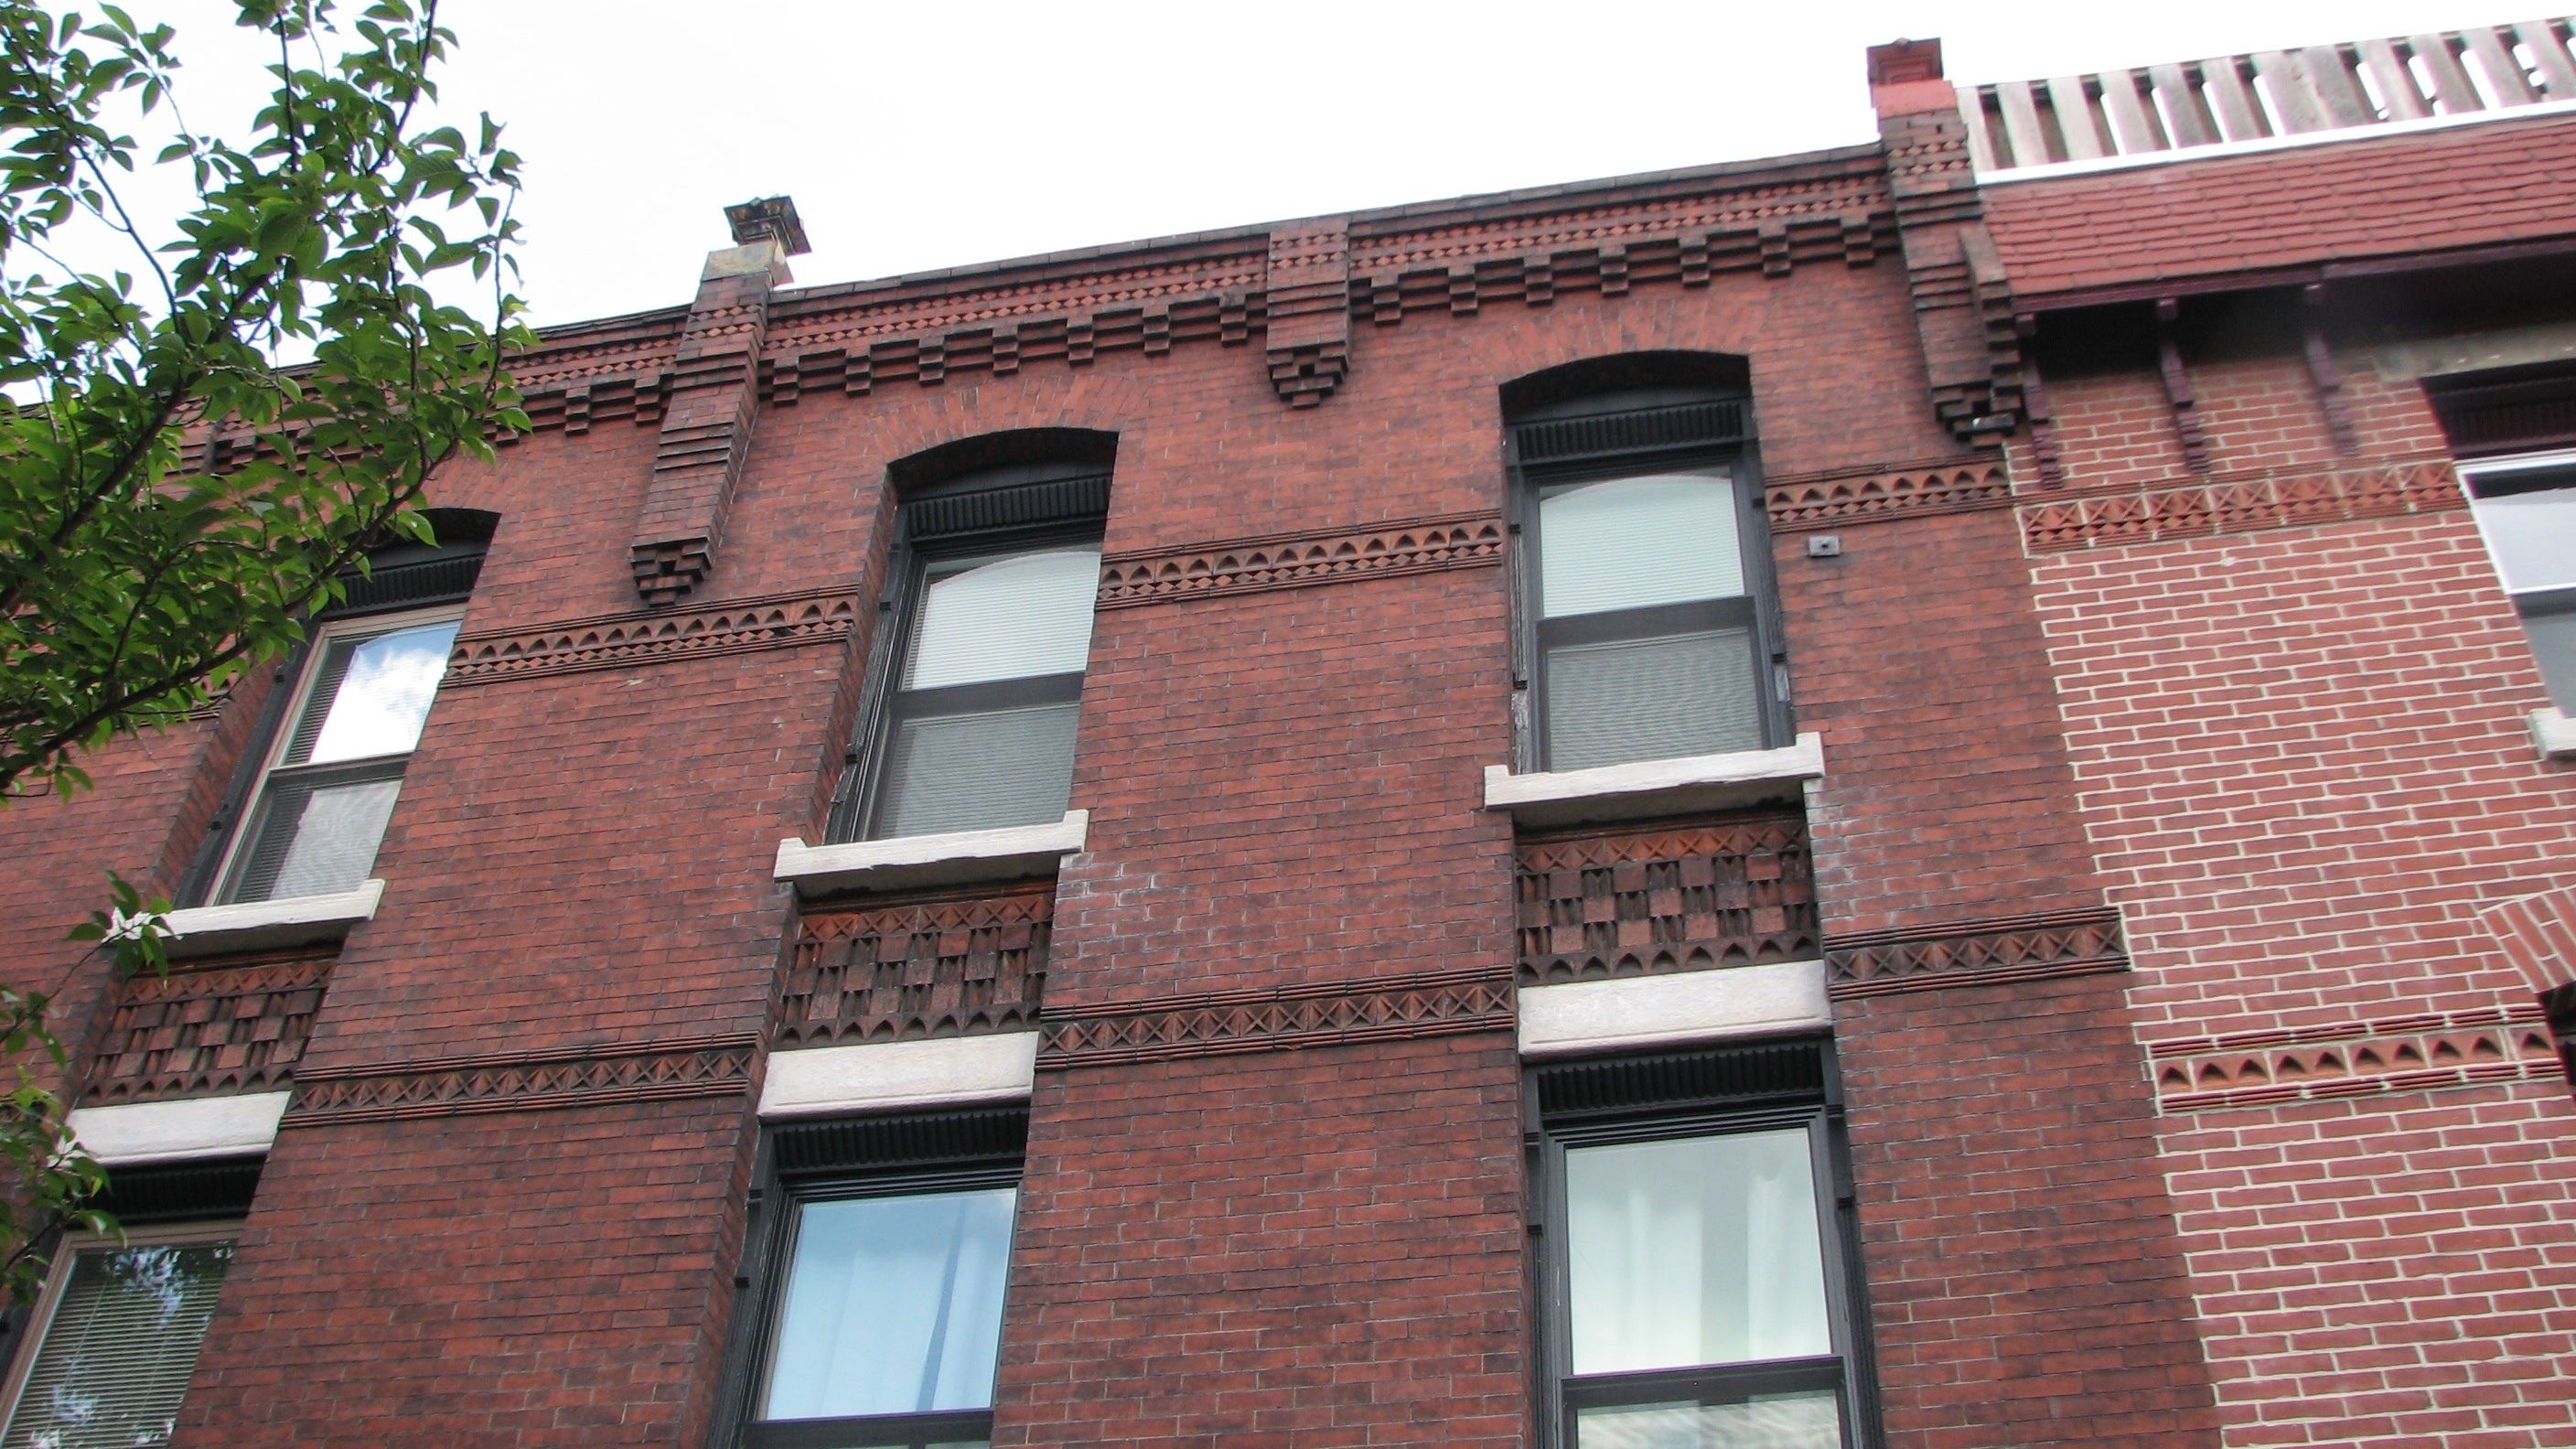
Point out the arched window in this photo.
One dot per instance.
(1650, 622)
(976, 689)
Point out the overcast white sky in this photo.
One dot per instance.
(916, 136)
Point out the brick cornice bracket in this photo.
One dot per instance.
(1294, 1018)
(2035, 947)
(1963, 308)
(717, 1066)
(708, 408)
(1308, 287)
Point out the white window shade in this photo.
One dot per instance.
(1652, 699)
(1631, 543)
(2533, 536)
(119, 1347)
(1010, 618)
(893, 1306)
(980, 771)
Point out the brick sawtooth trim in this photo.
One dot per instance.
(924, 968)
(2241, 505)
(716, 1066)
(1299, 560)
(1690, 897)
(236, 1027)
(2036, 947)
(1294, 1018)
(2354, 1059)
(1827, 500)
(625, 641)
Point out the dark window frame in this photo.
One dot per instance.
(1681, 1095)
(839, 1159)
(923, 539)
(2495, 475)
(1634, 411)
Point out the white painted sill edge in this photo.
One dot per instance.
(1654, 787)
(133, 1132)
(2553, 734)
(879, 1076)
(910, 861)
(1687, 1006)
(263, 925)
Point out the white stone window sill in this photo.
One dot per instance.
(2553, 734)
(267, 925)
(1656, 787)
(881, 1076)
(134, 1132)
(1687, 1006)
(909, 862)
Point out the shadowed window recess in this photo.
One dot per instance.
(1697, 1255)
(976, 693)
(334, 760)
(1649, 626)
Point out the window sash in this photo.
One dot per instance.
(1706, 1387)
(972, 1429)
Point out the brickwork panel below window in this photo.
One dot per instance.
(1691, 895)
(238, 1026)
(952, 965)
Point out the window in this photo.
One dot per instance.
(314, 797)
(2526, 508)
(979, 682)
(114, 1339)
(334, 774)
(1698, 1267)
(879, 1307)
(1645, 578)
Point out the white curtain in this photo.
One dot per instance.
(893, 1306)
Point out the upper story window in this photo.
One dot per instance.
(1650, 624)
(977, 687)
(878, 1300)
(333, 762)
(2513, 432)
(1697, 1260)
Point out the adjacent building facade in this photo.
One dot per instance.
(1912, 796)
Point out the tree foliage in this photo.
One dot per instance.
(199, 445)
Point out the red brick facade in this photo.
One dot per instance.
(2180, 871)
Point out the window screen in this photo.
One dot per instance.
(114, 1355)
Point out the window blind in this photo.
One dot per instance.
(980, 771)
(119, 1348)
(1634, 542)
(1009, 618)
(1647, 699)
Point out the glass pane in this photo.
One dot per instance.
(2533, 536)
(1010, 618)
(1698, 1251)
(383, 696)
(893, 1306)
(337, 830)
(1766, 1421)
(117, 1354)
(1630, 542)
(1652, 699)
(980, 771)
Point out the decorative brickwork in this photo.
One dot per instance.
(2538, 935)
(708, 408)
(1826, 500)
(2354, 1059)
(235, 1027)
(950, 967)
(526, 1081)
(1307, 290)
(627, 641)
(1977, 953)
(2246, 504)
(1689, 897)
(1296, 561)
(1297, 1018)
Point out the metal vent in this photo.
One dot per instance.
(903, 1141)
(1647, 430)
(2521, 414)
(221, 1189)
(1030, 505)
(446, 579)
(1729, 1074)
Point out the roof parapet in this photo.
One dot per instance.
(2169, 112)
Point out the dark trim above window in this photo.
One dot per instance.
(2508, 410)
(1716, 423)
(1722, 1076)
(415, 576)
(181, 1191)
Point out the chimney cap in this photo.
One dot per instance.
(1901, 61)
(768, 216)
